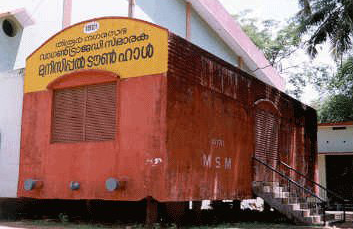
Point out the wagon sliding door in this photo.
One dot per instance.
(266, 143)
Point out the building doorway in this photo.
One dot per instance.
(339, 175)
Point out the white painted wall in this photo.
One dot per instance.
(170, 14)
(83, 10)
(9, 45)
(206, 38)
(322, 174)
(335, 140)
(332, 142)
(11, 94)
(47, 16)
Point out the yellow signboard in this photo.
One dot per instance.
(128, 47)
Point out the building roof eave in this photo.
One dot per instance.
(230, 31)
(20, 14)
(331, 124)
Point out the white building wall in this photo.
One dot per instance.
(83, 10)
(322, 174)
(170, 14)
(330, 140)
(47, 16)
(11, 94)
(206, 38)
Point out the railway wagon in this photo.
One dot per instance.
(121, 109)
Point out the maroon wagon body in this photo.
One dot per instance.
(187, 134)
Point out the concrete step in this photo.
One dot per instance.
(314, 219)
(294, 207)
(281, 195)
(290, 200)
(303, 212)
(309, 205)
(311, 200)
(318, 219)
(271, 183)
(277, 189)
(330, 217)
(267, 189)
(257, 183)
(300, 209)
(316, 211)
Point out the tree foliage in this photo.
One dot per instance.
(275, 41)
(338, 106)
(332, 21)
(318, 76)
(279, 42)
(326, 20)
(321, 20)
(343, 82)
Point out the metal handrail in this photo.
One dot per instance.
(315, 183)
(324, 203)
(343, 200)
(290, 180)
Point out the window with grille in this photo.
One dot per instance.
(266, 136)
(86, 113)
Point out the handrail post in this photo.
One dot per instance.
(344, 211)
(324, 213)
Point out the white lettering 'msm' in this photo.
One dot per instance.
(216, 162)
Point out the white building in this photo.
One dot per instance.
(11, 95)
(25, 25)
(335, 147)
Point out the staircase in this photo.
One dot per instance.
(300, 210)
(295, 198)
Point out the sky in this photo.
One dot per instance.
(263, 9)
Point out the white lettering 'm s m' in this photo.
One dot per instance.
(206, 160)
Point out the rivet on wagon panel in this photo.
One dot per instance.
(75, 185)
(114, 184)
(31, 184)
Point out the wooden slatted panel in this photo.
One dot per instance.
(84, 113)
(100, 112)
(266, 134)
(260, 131)
(67, 125)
